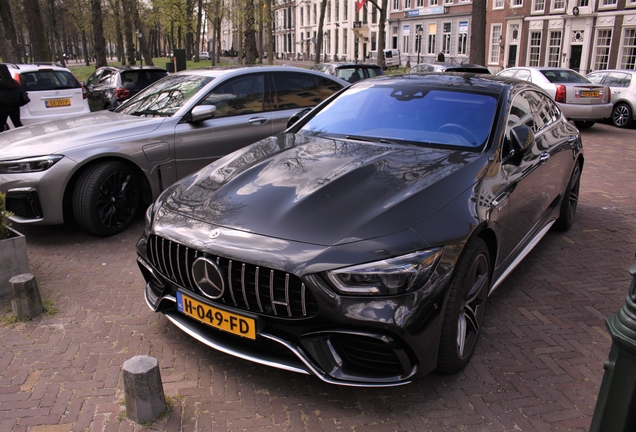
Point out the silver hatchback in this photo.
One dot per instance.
(580, 100)
(622, 83)
(100, 168)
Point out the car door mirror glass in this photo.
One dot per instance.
(522, 138)
(202, 112)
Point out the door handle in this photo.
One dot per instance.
(258, 120)
(544, 157)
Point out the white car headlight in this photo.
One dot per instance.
(392, 276)
(29, 165)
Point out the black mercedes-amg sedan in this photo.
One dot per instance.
(361, 245)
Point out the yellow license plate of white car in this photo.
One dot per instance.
(54, 103)
(217, 318)
(589, 94)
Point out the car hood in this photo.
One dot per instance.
(324, 191)
(61, 135)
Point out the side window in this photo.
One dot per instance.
(94, 78)
(541, 107)
(523, 74)
(105, 76)
(239, 96)
(295, 90)
(508, 73)
(596, 77)
(327, 88)
(617, 79)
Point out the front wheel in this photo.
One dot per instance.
(622, 115)
(106, 198)
(570, 201)
(465, 309)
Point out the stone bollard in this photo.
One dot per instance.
(145, 399)
(25, 296)
(616, 404)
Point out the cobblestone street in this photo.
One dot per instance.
(538, 365)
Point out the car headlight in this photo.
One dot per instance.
(392, 276)
(29, 165)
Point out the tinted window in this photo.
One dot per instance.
(328, 87)
(545, 111)
(563, 76)
(521, 113)
(47, 79)
(294, 90)
(141, 78)
(596, 77)
(618, 79)
(238, 96)
(408, 113)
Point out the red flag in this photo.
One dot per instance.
(360, 4)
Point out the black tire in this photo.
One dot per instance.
(584, 124)
(622, 115)
(466, 308)
(106, 198)
(570, 201)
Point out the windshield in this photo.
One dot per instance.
(165, 97)
(564, 76)
(407, 113)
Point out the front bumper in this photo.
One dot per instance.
(352, 341)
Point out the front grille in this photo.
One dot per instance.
(248, 287)
(366, 354)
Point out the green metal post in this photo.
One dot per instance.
(616, 405)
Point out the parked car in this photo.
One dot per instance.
(449, 67)
(53, 90)
(622, 84)
(109, 86)
(101, 168)
(203, 55)
(580, 100)
(361, 245)
(350, 72)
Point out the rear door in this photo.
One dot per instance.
(241, 119)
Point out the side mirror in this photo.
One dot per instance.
(521, 138)
(202, 112)
(300, 114)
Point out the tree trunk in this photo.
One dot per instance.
(197, 36)
(270, 32)
(478, 33)
(321, 22)
(98, 34)
(142, 36)
(382, 33)
(250, 33)
(39, 44)
(56, 45)
(127, 7)
(10, 48)
(87, 56)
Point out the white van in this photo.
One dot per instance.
(391, 57)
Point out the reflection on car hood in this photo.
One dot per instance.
(324, 191)
(60, 135)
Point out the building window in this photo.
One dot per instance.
(405, 39)
(554, 49)
(628, 57)
(365, 14)
(345, 10)
(433, 3)
(446, 41)
(517, 3)
(420, 3)
(608, 3)
(558, 5)
(407, 4)
(498, 4)
(462, 42)
(374, 41)
(451, 1)
(302, 17)
(495, 34)
(344, 41)
(586, 3)
(336, 41)
(374, 15)
(396, 4)
(337, 11)
(534, 53)
(601, 54)
(538, 6)
(315, 14)
(432, 32)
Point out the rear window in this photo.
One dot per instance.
(48, 80)
(142, 78)
(353, 74)
(564, 76)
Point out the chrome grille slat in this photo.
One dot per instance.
(287, 296)
(247, 305)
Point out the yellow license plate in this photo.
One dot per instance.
(589, 94)
(217, 318)
(57, 103)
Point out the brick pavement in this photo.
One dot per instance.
(538, 365)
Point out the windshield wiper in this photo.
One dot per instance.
(369, 139)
